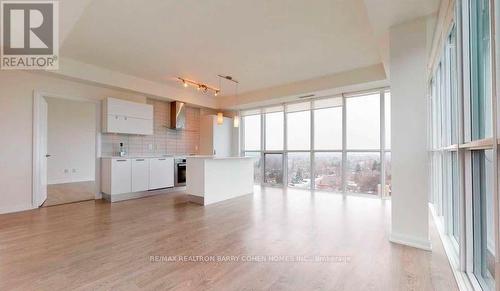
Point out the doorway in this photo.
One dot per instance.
(66, 148)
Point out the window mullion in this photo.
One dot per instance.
(344, 145)
(312, 185)
(382, 144)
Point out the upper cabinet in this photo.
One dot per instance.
(120, 116)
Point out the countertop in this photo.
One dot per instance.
(218, 158)
(142, 157)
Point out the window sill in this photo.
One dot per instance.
(481, 144)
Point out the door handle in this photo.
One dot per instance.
(47, 156)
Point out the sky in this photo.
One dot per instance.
(362, 119)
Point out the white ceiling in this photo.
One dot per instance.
(262, 43)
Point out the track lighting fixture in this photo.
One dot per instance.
(199, 86)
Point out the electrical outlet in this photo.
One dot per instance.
(66, 171)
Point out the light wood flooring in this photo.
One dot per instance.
(95, 245)
(70, 192)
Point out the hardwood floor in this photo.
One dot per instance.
(101, 246)
(70, 192)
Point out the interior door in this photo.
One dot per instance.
(42, 192)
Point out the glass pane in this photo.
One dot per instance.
(388, 175)
(363, 122)
(250, 112)
(328, 171)
(256, 166)
(298, 130)
(484, 240)
(273, 171)
(442, 183)
(387, 118)
(295, 107)
(328, 128)
(299, 170)
(452, 48)
(327, 103)
(274, 131)
(438, 109)
(455, 196)
(480, 66)
(251, 125)
(363, 173)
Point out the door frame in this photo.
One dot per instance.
(37, 97)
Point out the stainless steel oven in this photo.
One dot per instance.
(180, 172)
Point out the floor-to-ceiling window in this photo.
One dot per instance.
(252, 141)
(274, 132)
(328, 141)
(386, 149)
(298, 145)
(464, 144)
(363, 162)
(337, 144)
(483, 218)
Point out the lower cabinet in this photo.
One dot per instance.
(128, 175)
(140, 175)
(116, 176)
(161, 173)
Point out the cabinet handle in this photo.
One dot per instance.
(161, 159)
(121, 160)
(140, 160)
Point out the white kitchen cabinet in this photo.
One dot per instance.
(116, 176)
(128, 108)
(120, 116)
(216, 139)
(140, 174)
(161, 173)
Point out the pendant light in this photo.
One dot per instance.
(236, 121)
(220, 118)
(236, 118)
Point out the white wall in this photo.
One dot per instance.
(16, 119)
(216, 137)
(71, 140)
(408, 60)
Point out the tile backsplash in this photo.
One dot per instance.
(163, 141)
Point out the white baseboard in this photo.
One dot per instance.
(135, 195)
(16, 208)
(424, 244)
(67, 181)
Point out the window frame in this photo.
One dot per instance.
(460, 251)
(344, 151)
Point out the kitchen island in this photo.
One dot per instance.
(212, 179)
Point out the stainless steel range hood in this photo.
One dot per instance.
(177, 115)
